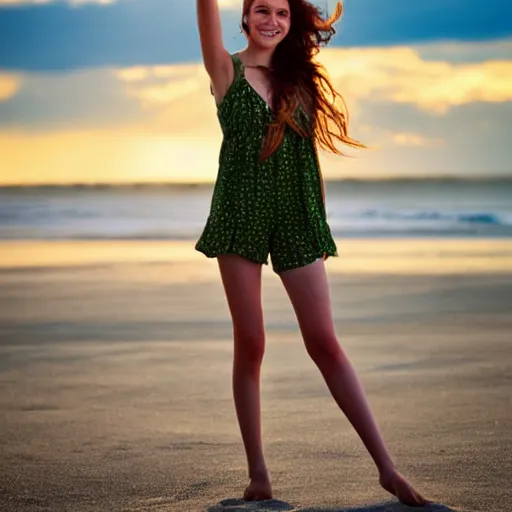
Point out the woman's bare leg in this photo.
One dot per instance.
(241, 279)
(308, 290)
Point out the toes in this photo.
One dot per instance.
(418, 500)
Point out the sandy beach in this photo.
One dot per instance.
(115, 379)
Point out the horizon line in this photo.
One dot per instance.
(404, 178)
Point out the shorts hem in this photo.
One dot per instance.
(278, 269)
(237, 252)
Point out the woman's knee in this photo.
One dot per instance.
(324, 348)
(250, 347)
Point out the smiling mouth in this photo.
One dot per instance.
(270, 33)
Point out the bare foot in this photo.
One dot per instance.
(259, 488)
(396, 484)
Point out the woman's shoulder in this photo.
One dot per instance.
(237, 75)
(237, 62)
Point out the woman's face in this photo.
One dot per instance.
(269, 22)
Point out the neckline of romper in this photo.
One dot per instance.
(244, 78)
(241, 74)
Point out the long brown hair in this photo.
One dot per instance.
(296, 79)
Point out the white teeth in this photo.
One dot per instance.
(270, 34)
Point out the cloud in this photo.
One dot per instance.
(165, 93)
(415, 140)
(230, 4)
(160, 85)
(401, 75)
(177, 98)
(396, 75)
(9, 85)
(147, 122)
(460, 53)
(57, 35)
(46, 101)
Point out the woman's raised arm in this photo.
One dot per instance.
(216, 58)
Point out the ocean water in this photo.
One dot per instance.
(355, 209)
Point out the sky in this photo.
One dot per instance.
(115, 91)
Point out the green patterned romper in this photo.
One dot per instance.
(275, 206)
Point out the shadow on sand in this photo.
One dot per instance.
(237, 505)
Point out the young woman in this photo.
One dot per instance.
(275, 106)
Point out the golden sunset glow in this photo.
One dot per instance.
(400, 75)
(106, 156)
(129, 228)
(177, 136)
(9, 85)
(392, 257)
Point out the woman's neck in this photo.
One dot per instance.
(257, 56)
